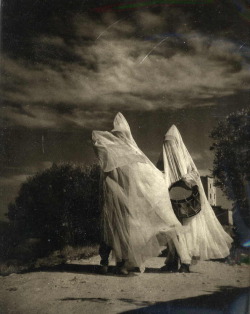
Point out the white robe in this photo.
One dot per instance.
(138, 218)
(207, 238)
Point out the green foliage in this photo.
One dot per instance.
(232, 159)
(59, 206)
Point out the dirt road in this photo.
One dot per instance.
(76, 287)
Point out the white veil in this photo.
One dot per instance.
(138, 218)
(207, 238)
(177, 161)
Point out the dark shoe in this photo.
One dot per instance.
(171, 262)
(121, 268)
(103, 269)
(184, 268)
(169, 268)
(122, 271)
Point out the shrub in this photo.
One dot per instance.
(231, 142)
(59, 206)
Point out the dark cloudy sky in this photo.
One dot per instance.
(69, 66)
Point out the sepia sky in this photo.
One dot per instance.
(69, 66)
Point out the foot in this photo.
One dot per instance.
(169, 268)
(122, 271)
(184, 268)
(103, 269)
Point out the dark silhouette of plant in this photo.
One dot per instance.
(231, 164)
(59, 206)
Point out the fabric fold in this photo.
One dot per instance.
(138, 219)
(207, 238)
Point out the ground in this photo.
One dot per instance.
(76, 287)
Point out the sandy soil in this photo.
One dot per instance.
(76, 287)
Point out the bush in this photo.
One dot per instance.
(231, 142)
(59, 206)
(55, 258)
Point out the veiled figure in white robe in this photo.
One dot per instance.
(206, 238)
(138, 219)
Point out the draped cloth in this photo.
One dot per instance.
(207, 238)
(138, 219)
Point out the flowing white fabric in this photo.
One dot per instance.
(138, 218)
(207, 238)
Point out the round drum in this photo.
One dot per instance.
(185, 200)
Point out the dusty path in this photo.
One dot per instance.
(77, 288)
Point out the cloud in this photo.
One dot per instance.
(15, 180)
(204, 172)
(101, 70)
(45, 117)
(197, 156)
(22, 172)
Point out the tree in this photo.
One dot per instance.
(59, 206)
(231, 164)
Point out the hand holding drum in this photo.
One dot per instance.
(185, 200)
